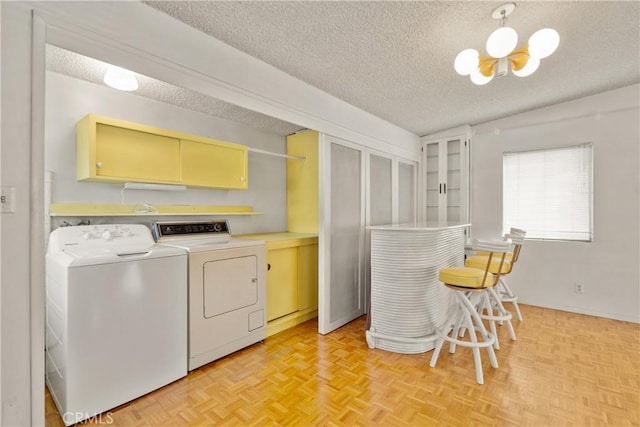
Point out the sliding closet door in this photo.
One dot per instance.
(379, 209)
(341, 234)
(407, 191)
(380, 190)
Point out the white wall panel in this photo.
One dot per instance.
(547, 271)
(15, 228)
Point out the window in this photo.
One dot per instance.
(549, 193)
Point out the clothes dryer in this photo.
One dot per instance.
(227, 287)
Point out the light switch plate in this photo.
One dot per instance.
(7, 199)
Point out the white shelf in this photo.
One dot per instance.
(77, 209)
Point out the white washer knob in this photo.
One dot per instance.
(86, 235)
(127, 233)
(107, 235)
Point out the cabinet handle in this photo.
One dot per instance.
(242, 178)
(445, 188)
(440, 190)
(268, 267)
(99, 165)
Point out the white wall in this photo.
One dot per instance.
(14, 228)
(69, 99)
(547, 271)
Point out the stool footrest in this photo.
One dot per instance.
(464, 343)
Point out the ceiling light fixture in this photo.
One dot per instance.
(501, 47)
(120, 78)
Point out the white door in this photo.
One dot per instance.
(341, 266)
(407, 191)
(379, 204)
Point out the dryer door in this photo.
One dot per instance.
(229, 284)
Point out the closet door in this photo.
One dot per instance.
(341, 234)
(380, 190)
(407, 191)
(380, 203)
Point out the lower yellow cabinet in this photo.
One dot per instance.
(292, 278)
(282, 282)
(307, 276)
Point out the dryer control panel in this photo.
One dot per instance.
(185, 230)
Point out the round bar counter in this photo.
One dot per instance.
(408, 301)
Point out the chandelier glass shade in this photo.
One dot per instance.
(503, 52)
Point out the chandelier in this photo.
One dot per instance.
(501, 47)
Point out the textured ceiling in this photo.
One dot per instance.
(81, 67)
(395, 59)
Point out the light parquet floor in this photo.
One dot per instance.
(565, 369)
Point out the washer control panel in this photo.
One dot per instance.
(108, 232)
(102, 238)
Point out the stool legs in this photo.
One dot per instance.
(506, 295)
(467, 318)
(491, 300)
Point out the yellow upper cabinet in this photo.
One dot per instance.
(112, 150)
(213, 164)
(109, 151)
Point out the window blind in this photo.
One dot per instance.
(549, 193)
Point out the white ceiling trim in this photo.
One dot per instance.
(106, 33)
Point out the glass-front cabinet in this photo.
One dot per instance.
(446, 178)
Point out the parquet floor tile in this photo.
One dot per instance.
(565, 369)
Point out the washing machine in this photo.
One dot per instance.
(116, 317)
(227, 287)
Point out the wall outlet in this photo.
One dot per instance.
(579, 288)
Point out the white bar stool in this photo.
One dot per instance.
(471, 287)
(517, 236)
(491, 299)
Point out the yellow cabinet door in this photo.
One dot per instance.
(214, 164)
(307, 276)
(126, 154)
(282, 282)
(140, 156)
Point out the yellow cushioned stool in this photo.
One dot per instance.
(470, 286)
(466, 277)
(508, 255)
(495, 266)
(486, 305)
(517, 237)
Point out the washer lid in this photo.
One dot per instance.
(106, 243)
(78, 258)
